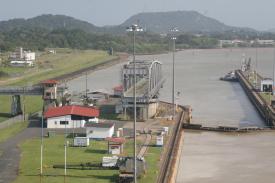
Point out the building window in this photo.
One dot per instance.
(48, 94)
(64, 122)
(55, 122)
(91, 131)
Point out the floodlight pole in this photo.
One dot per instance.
(273, 91)
(41, 145)
(135, 107)
(135, 28)
(173, 88)
(173, 37)
(65, 152)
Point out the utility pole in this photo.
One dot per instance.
(135, 28)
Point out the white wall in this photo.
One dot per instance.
(99, 133)
(55, 122)
(29, 56)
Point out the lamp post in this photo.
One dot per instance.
(135, 28)
(273, 73)
(173, 38)
(41, 145)
(65, 150)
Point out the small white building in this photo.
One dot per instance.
(159, 140)
(81, 142)
(266, 85)
(29, 56)
(99, 130)
(70, 116)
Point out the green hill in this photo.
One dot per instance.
(49, 22)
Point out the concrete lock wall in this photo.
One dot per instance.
(149, 110)
(152, 109)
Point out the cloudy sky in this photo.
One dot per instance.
(257, 14)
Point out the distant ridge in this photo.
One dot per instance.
(156, 22)
(49, 22)
(188, 21)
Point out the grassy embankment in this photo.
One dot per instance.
(64, 62)
(47, 66)
(12, 130)
(32, 104)
(54, 154)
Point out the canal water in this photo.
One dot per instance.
(207, 156)
(197, 74)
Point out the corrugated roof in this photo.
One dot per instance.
(71, 110)
(100, 125)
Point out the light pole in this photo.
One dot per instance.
(41, 145)
(173, 38)
(135, 28)
(273, 91)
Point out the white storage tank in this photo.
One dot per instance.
(81, 141)
(120, 132)
(159, 141)
(117, 133)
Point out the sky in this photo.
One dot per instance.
(258, 14)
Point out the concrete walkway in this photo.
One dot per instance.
(10, 158)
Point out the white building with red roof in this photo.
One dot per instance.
(72, 116)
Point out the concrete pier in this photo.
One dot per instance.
(265, 110)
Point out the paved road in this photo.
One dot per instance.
(9, 160)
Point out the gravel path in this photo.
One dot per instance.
(10, 158)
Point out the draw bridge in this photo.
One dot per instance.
(149, 80)
(48, 90)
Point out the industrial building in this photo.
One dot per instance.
(21, 58)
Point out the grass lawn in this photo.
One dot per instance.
(12, 130)
(152, 159)
(7, 71)
(32, 104)
(54, 154)
(5, 107)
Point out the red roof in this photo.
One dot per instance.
(118, 140)
(118, 88)
(50, 81)
(71, 110)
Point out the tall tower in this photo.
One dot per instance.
(50, 93)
